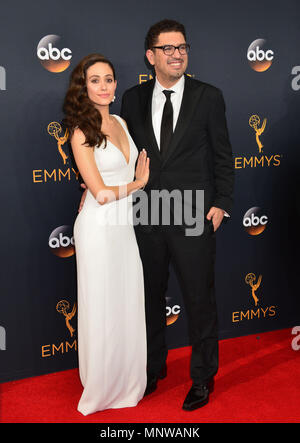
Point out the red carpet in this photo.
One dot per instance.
(258, 381)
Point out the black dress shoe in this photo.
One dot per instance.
(198, 396)
(151, 385)
(152, 380)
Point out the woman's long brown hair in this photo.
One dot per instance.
(79, 110)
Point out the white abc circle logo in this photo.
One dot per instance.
(259, 59)
(175, 310)
(172, 314)
(61, 241)
(51, 57)
(254, 222)
(54, 53)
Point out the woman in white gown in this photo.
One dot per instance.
(111, 316)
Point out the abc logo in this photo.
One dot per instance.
(61, 241)
(172, 313)
(254, 221)
(259, 59)
(51, 57)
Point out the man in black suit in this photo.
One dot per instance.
(181, 123)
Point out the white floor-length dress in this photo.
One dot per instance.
(111, 314)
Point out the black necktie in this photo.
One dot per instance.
(166, 129)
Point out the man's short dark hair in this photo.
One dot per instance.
(162, 26)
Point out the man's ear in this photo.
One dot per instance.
(150, 56)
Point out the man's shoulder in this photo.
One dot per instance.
(207, 87)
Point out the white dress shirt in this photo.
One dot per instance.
(158, 103)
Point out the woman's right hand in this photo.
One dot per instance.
(142, 170)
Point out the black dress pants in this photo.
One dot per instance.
(193, 259)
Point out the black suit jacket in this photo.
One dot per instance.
(199, 155)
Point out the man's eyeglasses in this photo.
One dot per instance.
(170, 49)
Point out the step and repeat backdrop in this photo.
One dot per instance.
(251, 51)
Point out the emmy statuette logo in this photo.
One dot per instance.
(258, 160)
(254, 122)
(54, 129)
(250, 280)
(62, 347)
(63, 173)
(62, 307)
(257, 312)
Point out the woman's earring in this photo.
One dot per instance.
(113, 99)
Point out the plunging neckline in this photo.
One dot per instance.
(127, 163)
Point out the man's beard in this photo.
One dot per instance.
(176, 75)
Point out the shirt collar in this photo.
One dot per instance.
(178, 87)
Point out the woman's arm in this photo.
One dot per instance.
(84, 157)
